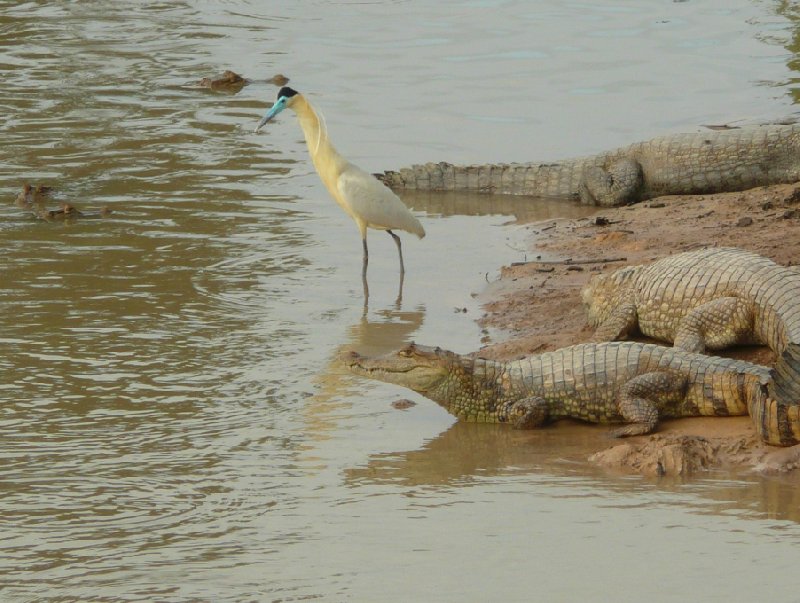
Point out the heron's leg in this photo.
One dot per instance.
(399, 301)
(364, 270)
(399, 251)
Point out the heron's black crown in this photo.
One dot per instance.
(287, 92)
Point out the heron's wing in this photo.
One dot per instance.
(371, 201)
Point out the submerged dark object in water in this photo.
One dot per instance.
(32, 199)
(25, 198)
(70, 212)
(67, 211)
(228, 81)
(278, 80)
(31, 196)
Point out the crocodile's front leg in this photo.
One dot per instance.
(641, 397)
(528, 413)
(715, 325)
(618, 184)
(621, 322)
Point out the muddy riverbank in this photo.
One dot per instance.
(537, 305)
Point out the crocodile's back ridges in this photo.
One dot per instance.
(562, 179)
(691, 279)
(583, 381)
(687, 280)
(721, 161)
(706, 162)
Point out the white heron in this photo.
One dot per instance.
(362, 196)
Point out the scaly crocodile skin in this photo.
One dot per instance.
(706, 162)
(633, 383)
(710, 299)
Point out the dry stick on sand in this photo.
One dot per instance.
(570, 261)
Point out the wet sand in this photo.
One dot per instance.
(537, 307)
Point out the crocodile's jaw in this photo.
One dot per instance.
(468, 388)
(416, 367)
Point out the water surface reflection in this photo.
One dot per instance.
(467, 453)
(173, 424)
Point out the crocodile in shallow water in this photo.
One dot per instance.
(32, 200)
(229, 81)
(709, 299)
(680, 164)
(629, 382)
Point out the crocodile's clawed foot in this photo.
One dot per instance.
(529, 413)
(631, 429)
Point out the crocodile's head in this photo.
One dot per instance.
(604, 292)
(416, 367)
(470, 388)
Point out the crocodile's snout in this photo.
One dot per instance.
(351, 357)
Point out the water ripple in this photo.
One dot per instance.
(173, 425)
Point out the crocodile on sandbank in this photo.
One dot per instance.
(680, 164)
(709, 299)
(628, 382)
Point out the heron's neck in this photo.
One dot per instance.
(325, 157)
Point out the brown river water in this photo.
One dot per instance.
(173, 424)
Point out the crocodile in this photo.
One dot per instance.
(70, 212)
(711, 299)
(679, 164)
(30, 196)
(32, 200)
(708, 298)
(229, 81)
(619, 382)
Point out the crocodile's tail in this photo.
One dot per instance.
(777, 421)
(448, 177)
(786, 385)
(545, 180)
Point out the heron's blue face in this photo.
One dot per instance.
(279, 106)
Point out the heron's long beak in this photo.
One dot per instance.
(279, 106)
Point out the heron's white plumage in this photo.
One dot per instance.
(365, 198)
